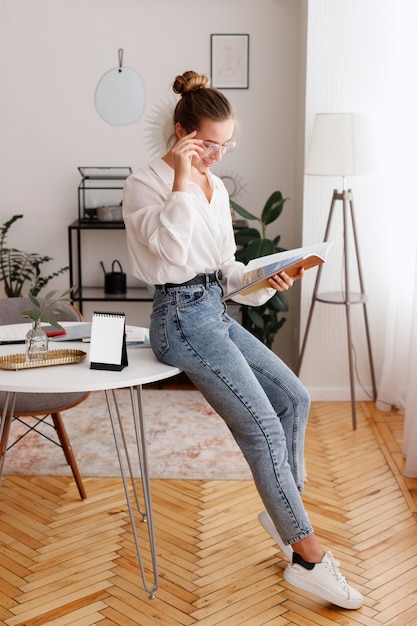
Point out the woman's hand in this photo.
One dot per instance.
(182, 154)
(282, 282)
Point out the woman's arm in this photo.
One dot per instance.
(161, 220)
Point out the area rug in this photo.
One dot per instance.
(186, 440)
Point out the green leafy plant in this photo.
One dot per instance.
(18, 268)
(44, 310)
(266, 320)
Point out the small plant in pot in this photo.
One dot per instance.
(42, 312)
(262, 321)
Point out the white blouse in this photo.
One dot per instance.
(172, 236)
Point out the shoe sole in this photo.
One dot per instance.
(297, 581)
(268, 525)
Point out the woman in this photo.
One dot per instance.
(180, 239)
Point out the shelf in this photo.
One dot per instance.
(338, 297)
(97, 294)
(96, 225)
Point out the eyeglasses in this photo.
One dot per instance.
(210, 149)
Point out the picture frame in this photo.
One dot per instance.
(230, 61)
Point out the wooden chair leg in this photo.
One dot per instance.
(3, 442)
(69, 455)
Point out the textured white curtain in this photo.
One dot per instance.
(398, 384)
(410, 426)
(399, 380)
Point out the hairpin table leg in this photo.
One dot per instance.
(147, 514)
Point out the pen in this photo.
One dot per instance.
(9, 343)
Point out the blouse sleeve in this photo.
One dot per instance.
(164, 226)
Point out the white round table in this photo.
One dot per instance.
(142, 368)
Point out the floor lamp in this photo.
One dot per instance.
(343, 145)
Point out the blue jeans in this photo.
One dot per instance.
(261, 400)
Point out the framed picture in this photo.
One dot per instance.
(230, 61)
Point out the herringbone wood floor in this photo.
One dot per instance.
(64, 561)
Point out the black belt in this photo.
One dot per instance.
(200, 279)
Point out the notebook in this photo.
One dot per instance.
(108, 341)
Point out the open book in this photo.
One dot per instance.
(291, 261)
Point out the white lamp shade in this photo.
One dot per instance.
(342, 144)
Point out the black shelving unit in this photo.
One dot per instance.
(84, 293)
(100, 187)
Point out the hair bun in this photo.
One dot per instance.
(190, 81)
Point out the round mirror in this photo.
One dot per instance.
(230, 185)
(120, 96)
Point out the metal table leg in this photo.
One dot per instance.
(147, 513)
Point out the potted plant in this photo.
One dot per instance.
(18, 268)
(262, 321)
(42, 311)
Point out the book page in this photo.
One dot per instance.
(272, 268)
(317, 249)
(260, 269)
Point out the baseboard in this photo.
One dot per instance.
(338, 394)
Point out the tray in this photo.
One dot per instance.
(55, 357)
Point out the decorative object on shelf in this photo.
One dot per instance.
(18, 268)
(100, 193)
(230, 61)
(111, 213)
(343, 144)
(114, 282)
(262, 321)
(120, 95)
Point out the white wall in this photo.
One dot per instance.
(355, 58)
(53, 52)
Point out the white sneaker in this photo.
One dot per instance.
(268, 524)
(324, 581)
